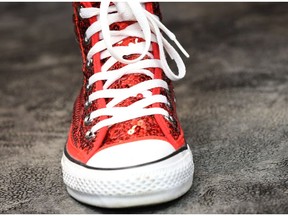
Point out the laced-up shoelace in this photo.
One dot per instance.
(147, 26)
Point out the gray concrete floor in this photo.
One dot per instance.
(232, 104)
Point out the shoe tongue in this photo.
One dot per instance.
(127, 80)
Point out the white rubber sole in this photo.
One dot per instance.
(153, 183)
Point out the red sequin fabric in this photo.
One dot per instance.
(122, 132)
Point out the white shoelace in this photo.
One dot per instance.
(147, 26)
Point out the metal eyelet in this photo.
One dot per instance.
(78, 10)
(169, 105)
(89, 63)
(87, 104)
(89, 135)
(170, 119)
(87, 120)
(87, 40)
(88, 87)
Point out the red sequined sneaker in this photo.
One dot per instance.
(125, 146)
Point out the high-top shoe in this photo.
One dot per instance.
(125, 145)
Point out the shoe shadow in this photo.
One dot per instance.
(149, 209)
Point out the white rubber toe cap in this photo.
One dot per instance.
(131, 154)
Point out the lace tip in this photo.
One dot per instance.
(182, 49)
